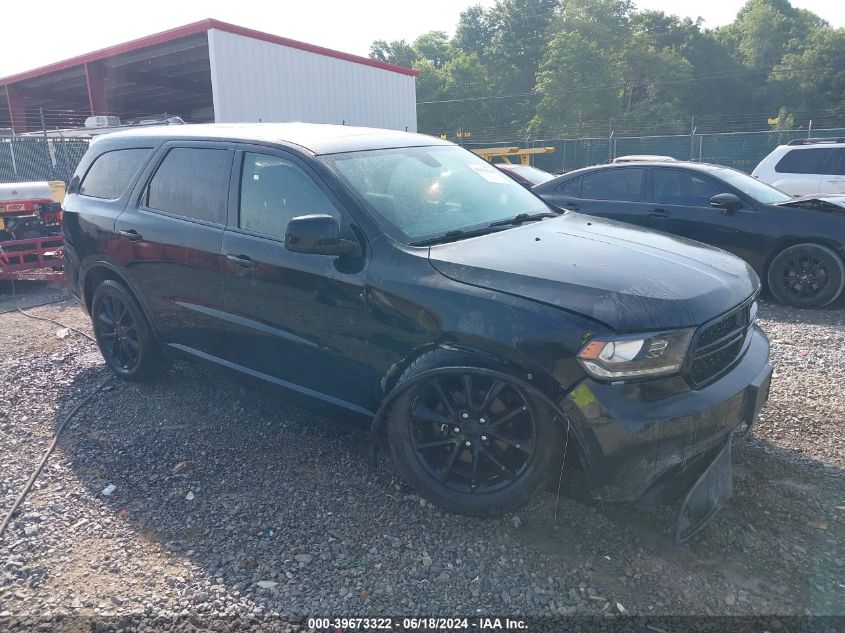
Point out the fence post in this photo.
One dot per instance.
(610, 140)
(46, 144)
(692, 138)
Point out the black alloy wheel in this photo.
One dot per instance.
(472, 433)
(119, 333)
(468, 437)
(125, 339)
(806, 276)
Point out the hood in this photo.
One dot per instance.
(627, 277)
(830, 202)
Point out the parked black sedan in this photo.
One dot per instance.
(797, 245)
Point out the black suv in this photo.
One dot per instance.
(404, 279)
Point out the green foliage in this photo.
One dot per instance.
(564, 67)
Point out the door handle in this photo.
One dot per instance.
(658, 213)
(132, 235)
(244, 261)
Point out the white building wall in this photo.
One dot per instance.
(253, 80)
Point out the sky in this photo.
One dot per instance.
(38, 33)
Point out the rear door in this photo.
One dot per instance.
(298, 319)
(833, 180)
(170, 237)
(800, 170)
(615, 193)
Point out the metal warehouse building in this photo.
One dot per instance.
(213, 71)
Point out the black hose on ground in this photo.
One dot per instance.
(59, 429)
(47, 454)
(49, 320)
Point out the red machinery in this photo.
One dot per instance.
(31, 231)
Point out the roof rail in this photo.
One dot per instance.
(816, 141)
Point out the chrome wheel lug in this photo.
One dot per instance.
(456, 429)
(465, 416)
(467, 443)
(482, 421)
(483, 438)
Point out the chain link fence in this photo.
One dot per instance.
(741, 150)
(25, 159)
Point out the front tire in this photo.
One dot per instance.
(471, 443)
(123, 334)
(806, 276)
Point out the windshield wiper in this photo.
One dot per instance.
(524, 217)
(457, 234)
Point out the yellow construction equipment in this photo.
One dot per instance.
(507, 153)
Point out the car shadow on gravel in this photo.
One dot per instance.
(250, 489)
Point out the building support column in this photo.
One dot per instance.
(17, 108)
(95, 78)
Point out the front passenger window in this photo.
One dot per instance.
(274, 191)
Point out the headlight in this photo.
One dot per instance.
(636, 356)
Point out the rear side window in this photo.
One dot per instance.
(274, 191)
(570, 188)
(191, 182)
(804, 161)
(613, 184)
(110, 174)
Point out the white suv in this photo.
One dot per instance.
(805, 166)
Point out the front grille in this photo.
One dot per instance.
(717, 345)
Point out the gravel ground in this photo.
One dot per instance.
(230, 502)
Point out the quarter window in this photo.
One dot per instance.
(804, 161)
(613, 184)
(191, 182)
(110, 175)
(672, 186)
(274, 191)
(570, 188)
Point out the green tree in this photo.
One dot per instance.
(474, 32)
(433, 46)
(576, 86)
(813, 79)
(397, 52)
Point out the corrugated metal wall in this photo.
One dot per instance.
(254, 80)
(26, 159)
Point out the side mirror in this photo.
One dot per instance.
(727, 202)
(318, 234)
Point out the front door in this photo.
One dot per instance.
(298, 319)
(833, 180)
(681, 206)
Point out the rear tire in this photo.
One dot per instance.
(806, 276)
(483, 454)
(125, 338)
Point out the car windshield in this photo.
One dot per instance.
(419, 193)
(532, 174)
(758, 190)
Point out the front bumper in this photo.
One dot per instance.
(641, 439)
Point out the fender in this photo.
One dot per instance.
(87, 267)
(381, 413)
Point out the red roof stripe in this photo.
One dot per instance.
(192, 29)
